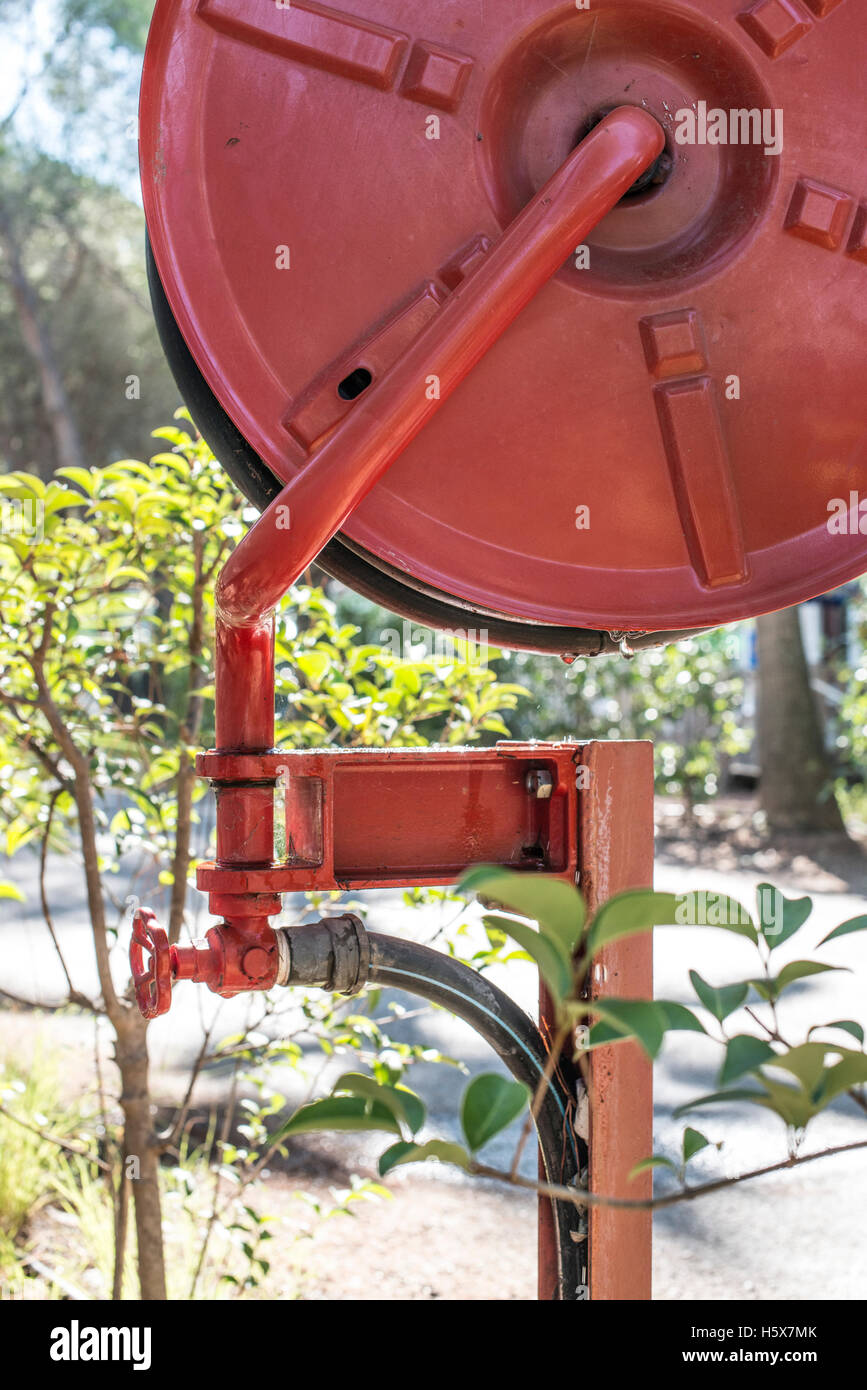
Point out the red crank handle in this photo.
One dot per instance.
(363, 446)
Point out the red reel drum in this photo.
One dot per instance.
(660, 440)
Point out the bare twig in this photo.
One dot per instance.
(214, 1213)
(43, 895)
(551, 1065)
(581, 1198)
(65, 1144)
(170, 1138)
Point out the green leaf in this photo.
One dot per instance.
(720, 1098)
(627, 914)
(771, 989)
(419, 1153)
(554, 904)
(806, 1062)
(642, 1019)
(793, 1106)
(672, 1018)
(404, 1105)
(846, 928)
(81, 476)
(693, 1142)
(719, 1002)
(654, 1161)
(490, 1103)
(314, 665)
(340, 1113)
(850, 1072)
(846, 1025)
(678, 1018)
(555, 970)
(58, 497)
(702, 908)
(603, 1034)
(744, 1053)
(780, 917)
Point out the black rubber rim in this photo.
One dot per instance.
(341, 558)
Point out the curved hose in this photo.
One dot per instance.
(405, 965)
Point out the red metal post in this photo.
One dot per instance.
(616, 853)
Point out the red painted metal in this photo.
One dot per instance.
(245, 886)
(340, 473)
(228, 961)
(616, 836)
(359, 819)
(152, 978)
(290, 533)
(305, 127)
(384, 818)
(377, 818)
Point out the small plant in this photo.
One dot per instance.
(759, 1063)
(106, 643)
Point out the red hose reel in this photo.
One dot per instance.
(320, 182)
(542, 319)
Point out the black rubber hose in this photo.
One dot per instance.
(402, 964)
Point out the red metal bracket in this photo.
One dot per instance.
(377, 818)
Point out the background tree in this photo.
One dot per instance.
(796, 787)
(82, 370)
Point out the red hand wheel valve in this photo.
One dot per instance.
(232, 958)
(152, 982)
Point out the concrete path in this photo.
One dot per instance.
(801, 1235)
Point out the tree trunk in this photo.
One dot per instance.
(64, 431)
(796, 791)
(141, 1154)
(130, 1029)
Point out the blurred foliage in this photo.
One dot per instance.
(30, 1091)
(55, 1200)
(685, 697)
(74, 304)
(106, 595)
(852, 733)
(81, 250)
(106, 645)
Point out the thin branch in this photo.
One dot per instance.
(65, 1144)
(774, 1037)
(35, 1003)
(579, 1197)
(214, 1213)
(83, 792)
(551, 1064)
(169, 1139)
(43, 894)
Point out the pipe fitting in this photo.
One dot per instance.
(332, 954)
